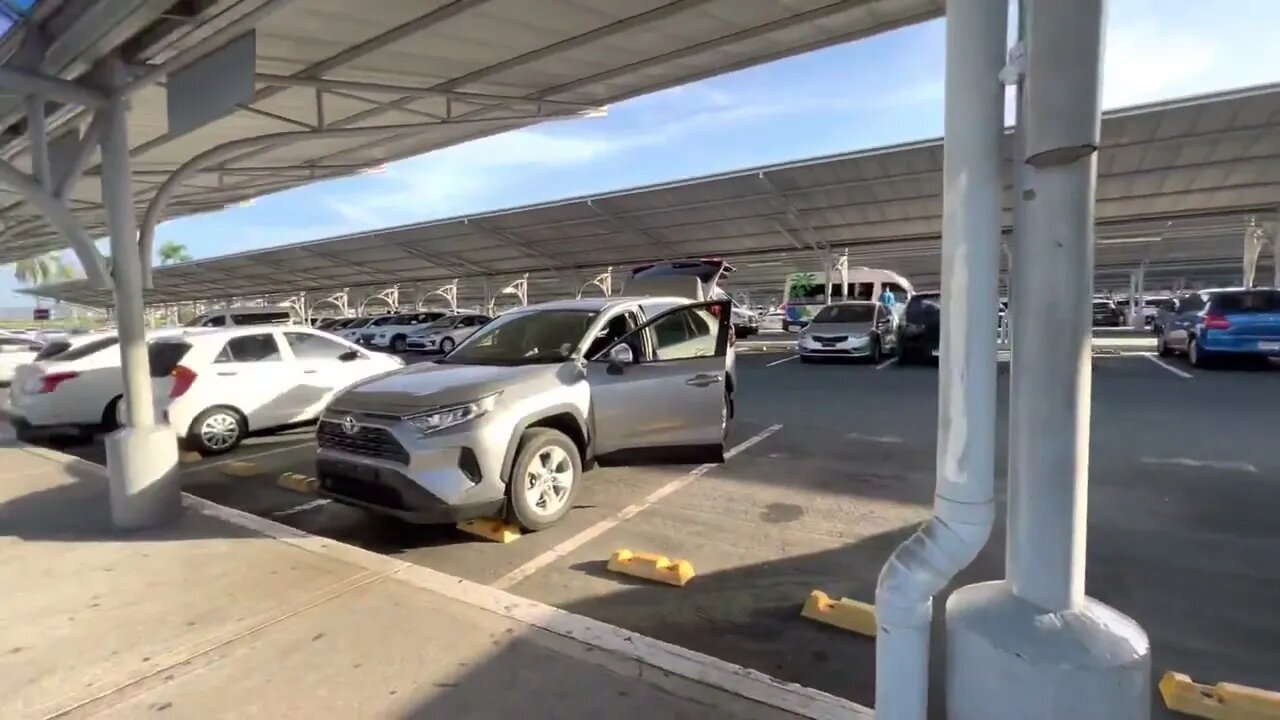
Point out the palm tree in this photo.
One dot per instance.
(173, 252)
(42, 269)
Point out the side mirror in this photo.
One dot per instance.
(619, 357)
(349, 355)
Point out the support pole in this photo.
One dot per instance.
(142, 457)
(1275, 254)
(1034, 646)
(964, 505)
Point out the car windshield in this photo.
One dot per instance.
(526, 338)
(845, 314)
(358, 323)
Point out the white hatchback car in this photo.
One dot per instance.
(214, 387)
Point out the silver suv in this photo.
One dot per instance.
(506, 423)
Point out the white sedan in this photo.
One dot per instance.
(15, 351)
(215, 387)
(445, 334)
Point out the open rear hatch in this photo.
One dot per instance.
(677, 278)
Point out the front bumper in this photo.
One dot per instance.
(421, 344)
(852, 347)
(389, 467)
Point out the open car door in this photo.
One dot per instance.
(658, 394)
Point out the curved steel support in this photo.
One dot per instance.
(448, 292)
(604, 281)
(519, 288)
(58, 216)
(219, 153)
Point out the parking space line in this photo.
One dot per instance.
(1180, 373)
(779, 362)
(1211, 464)
(302, 508)
(600, 528)
(251, 456)
(874, 438)
(887, 363)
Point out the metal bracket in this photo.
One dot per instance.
(1016, 67)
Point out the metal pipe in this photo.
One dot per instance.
(61, 219)
(1053, 348)
(964, 506)
(27, 82)
(217, 153)
(126, 266)
(39, 135)
(84, 153)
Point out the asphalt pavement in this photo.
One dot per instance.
(835, 469)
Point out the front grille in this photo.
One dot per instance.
(830, 338)
(367, 440)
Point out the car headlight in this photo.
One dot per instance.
(439, 419)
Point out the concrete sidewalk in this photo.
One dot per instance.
(226, 615)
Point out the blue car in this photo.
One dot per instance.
(1214, 324)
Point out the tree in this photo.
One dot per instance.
(42, 269)
(173, 252)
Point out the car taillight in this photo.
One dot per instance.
(1216, 322)
(183, 377)
(50, 382)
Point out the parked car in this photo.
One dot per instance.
(392, 331)
(214, 388)
(1153, 307)
(15, 351)
(1106, 314)
(351, 331)
(73, 390)
(772, 321)
(745, 322)
(1214, 324)
(507, 422)
(245, 315)
(445, 334)
(920, 333)
(849, 329)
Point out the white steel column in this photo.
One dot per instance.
(1034, 646)
(964, 508)
(142, 457)
(1137, 281)
(1275, 254)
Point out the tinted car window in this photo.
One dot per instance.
(1190, 303)
(525, 338)
(215, 321)
(685, 333)
(923, 308)
(314, 347)
(87, 349)
(265, 318)
(165, 356)
(53, 349)
(1251, 301)
(845, 314)
(250, 348)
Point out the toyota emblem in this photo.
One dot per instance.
(349, 425)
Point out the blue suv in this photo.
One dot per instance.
(1213, 324)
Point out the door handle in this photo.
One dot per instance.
(703, 380)
(227, 373)
(309, 372)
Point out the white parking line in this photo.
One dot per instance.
(1180, 373)
(630, 511)
(887, 363)
(303, 507)
(779, 362)
(244, 458)
(874, 438)
(1212, 464)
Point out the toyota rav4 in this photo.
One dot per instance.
(506, 423)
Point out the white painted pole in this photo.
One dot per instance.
(1035, 646)
(964, 508)
(141, 457)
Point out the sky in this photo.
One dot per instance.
(879, 91)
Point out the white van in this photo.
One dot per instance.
(806, 293)
(248, 315)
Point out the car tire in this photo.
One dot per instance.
(806, 359)
(1162, 347)
(216, 431)
(547, 448)
(110, 421)
(1196, 356)
(447, 345)
(876, 355)
(726, 418)
(399, 344)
